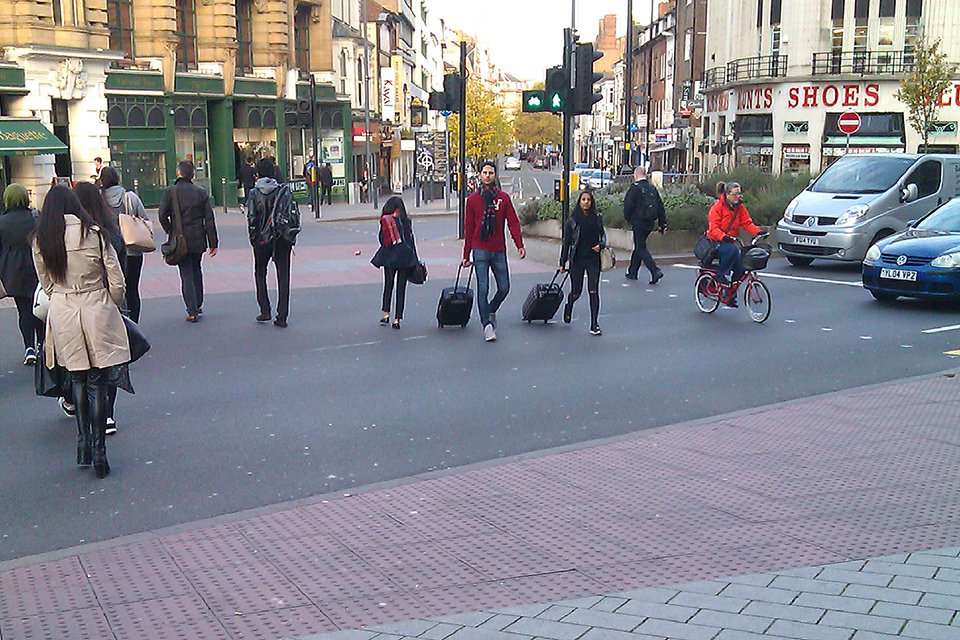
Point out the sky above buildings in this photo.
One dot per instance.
(526, 36)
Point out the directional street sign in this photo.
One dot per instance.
(849, 122)
(446, 114)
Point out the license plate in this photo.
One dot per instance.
(898, 274)
(806, 240)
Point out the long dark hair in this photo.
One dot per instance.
(395, 203)
(91, 199)
(51, 226)
(593, 204)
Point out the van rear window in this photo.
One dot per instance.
(865, 174)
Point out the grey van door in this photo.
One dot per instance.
(927, 176)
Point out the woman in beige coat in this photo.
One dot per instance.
(78, 269)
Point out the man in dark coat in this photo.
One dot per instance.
(267, 244)
(326, 183)
(247, 176)
(643, 209)
(199, 230)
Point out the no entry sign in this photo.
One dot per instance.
(849, 122)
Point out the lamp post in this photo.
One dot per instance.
(628, 89)
(371, 170)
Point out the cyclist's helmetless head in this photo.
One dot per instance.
(733, 195)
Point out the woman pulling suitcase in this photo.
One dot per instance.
(583, 238)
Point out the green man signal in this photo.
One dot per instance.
(557, 88)
(534, 101)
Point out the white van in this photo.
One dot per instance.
(862, 198)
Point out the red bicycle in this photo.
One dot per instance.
(709, 291)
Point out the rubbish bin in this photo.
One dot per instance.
(353, 193)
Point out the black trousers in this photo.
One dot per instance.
(641, 253)
(90, 396)
(280, 253)
(326, 193)
(191, 282)
(591, 267)
(31, 328)
(132, 267)
(400, 275)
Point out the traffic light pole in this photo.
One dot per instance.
(462, 182)
(628, 89)
(315, 188)
(567, 127)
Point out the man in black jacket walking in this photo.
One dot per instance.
(326, 184)
(199, 230)
(643, 209)
(267, 241)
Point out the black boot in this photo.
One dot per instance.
(84, 436)
(97, 402)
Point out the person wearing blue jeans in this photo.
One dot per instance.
(485, 242)
(726, 218)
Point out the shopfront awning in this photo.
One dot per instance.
(27, 137)
(666, 147)
(864, 141)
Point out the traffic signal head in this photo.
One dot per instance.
(452, 94)
(305, 113)
(557, 83)
(583, 97)
(534, 101)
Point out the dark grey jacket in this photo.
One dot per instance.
(17, 272)
(199, 228)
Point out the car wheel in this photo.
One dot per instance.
(799, 262)
(883, 296)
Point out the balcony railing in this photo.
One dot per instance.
(713, 78)
(759, 67)
(863, 62)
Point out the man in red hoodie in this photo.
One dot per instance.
(486, 243)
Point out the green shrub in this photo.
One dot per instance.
(765, 195)
(529, 211)
(550, 209)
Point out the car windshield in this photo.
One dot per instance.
(866, 174)
(946, 218)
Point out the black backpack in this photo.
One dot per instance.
(285, 215)
(647, 209)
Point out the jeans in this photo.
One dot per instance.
(131, 276)
(641, 253)
(483, 261)
(729, 256)
(280, 252)
(591, 267)
(191, 282)
(30, 327)
(401, 277)
(326, 193)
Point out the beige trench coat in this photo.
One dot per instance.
(84, 326)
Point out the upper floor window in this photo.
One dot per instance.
(186, 34)
(301, 37)
(244, 36)
(120, 23)
(343, 71)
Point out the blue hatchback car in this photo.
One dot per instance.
(921, 262)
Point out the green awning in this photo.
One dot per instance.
(864, 141)
(27, 137)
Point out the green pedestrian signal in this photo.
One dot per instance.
(557, 85)
(556, 102)
(533, 101)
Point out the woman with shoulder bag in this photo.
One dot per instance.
(122, 201)
(17, 273)
(583, 239)
(78, 269)
(397, 255)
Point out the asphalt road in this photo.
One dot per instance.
(230, 415)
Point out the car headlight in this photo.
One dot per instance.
(946, 261)
(788, 214)
(873, 254)
(852, 215)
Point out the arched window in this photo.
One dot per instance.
(343, 71)
(253, 119)
(269, 119)
(198, 118)
(155, 117)
(135, 118)
(115, 117)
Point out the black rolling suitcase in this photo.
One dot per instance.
(456, 303)
(543, 300)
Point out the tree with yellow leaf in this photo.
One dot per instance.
(488, 132)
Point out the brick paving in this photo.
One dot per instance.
(812, 519)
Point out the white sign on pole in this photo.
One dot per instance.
(388, 94)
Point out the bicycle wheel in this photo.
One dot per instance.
(756, 297)
(705, 293)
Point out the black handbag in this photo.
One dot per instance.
(139, 345)
(703, 249)
(418, 274)
(174, 250)
(50, 383)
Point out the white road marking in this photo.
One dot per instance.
(952, 327)
(783, 276)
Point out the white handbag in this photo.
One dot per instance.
(608, 259)
(41, 303)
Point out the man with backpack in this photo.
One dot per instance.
(643, 209)
(273, 220)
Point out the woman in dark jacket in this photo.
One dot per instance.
(17, 272)
(583, 238)
(397, 255)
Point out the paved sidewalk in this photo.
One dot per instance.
(840, 478)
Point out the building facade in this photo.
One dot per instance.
(773, 101)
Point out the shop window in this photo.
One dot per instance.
(927, 178)
(186, 34)
(181, 119)
(871, 124)
(116, 117)
(136, 118)
(198, 118)
(754, 125)
(155, 117)
(120, 24)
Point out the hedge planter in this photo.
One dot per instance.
(668, 243)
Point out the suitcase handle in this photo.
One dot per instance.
(469, 275)
(562, 282)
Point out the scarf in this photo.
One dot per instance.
(489, 224)
(390, 229)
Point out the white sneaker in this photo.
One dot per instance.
(69, 409)
(111, 427)
(489, 335)
(29, 357)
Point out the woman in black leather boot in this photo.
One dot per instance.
(90, 391)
